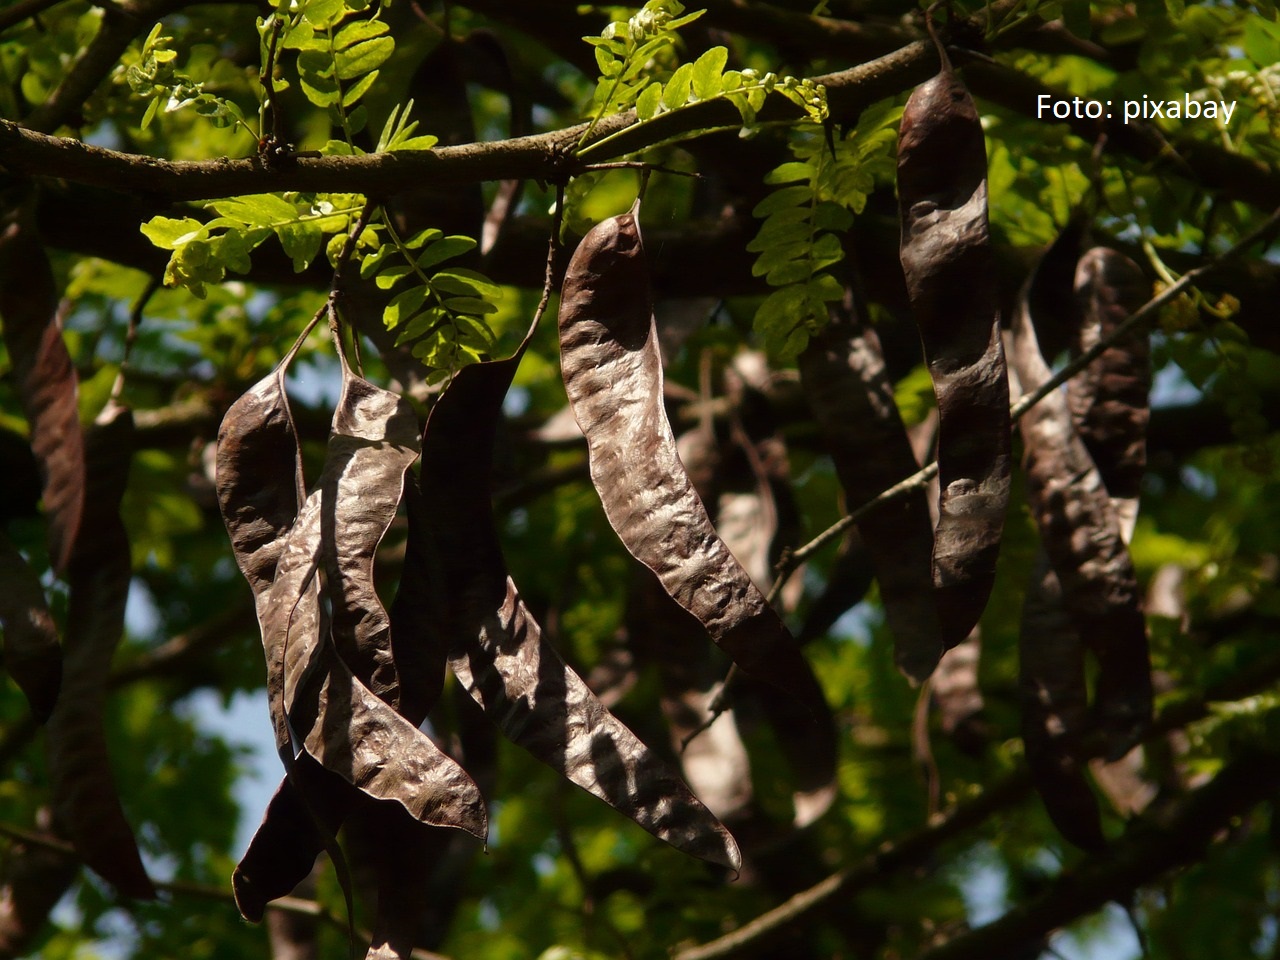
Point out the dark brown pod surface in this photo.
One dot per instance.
(1109, 399)
(86, 802)
(338, 720)
(32, 653)
(497, 650)
(259, 488)
(844, 379)
(613, 375)
(44, 378)
(374, 441)
(1055, 709)
(951, 282)
(1081, 535)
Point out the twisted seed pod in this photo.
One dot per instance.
(497, 649)
(951, 282)
(86, 801)
(613, 376)
(1081, 534)
(844, 380)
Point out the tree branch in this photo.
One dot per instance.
(22, 10)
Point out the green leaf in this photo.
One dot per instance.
(324, 13)
(445, 249)
(785, 199)
(708, 71)
(365, 56)
(169, 234)
(649, 101)
(150, 113)
(425, 142)
(358, 31)
(403, 306)
(358, 89)
(790, 172)
(464, 282)
(676, 92)
(389, 277)
(469, 305)
(422, 237)
(301, 241)
(260, 210)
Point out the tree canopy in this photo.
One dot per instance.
(839, 437)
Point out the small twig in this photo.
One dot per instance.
(131, 333)
(719, 703)
(641, 165)
(274, 118)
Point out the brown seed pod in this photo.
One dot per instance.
(951, 282)
(843, 375)
(1081, 534)
(373, 444)
(86, 802)
(32, 653)
(1109, 399)
(44, 377)
(338, 720)
(613, 376)
(497, 650)
(259, 484)
(1055, 710)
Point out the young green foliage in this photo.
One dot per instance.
(338, 63)
(631, 58)
(204, 252)
(155, 78)
(799, 242)
(443, 308)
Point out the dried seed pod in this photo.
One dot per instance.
(844, 379)
(32, 653)
(613, 375)
(373, 444)
(34, 880)
(338, 720)
(44, 377)
(341, 724)
(1081, 535)
(86, 802)
(1109, 399)
(259, 484)
(497, 650)
(951, 282)
(1054, 699)
(292, 834)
